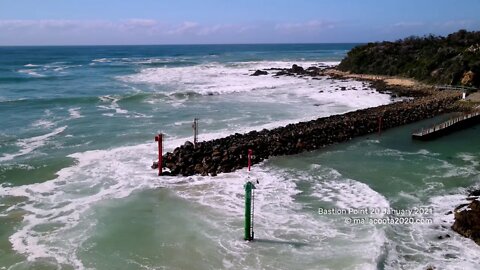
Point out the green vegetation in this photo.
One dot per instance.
(454, 59)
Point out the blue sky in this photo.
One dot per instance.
(82, 22)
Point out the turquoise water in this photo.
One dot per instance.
(76, 144)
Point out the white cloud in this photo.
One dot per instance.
(150, 31)
(183, 28)
(212, 29)
(408, 24)
(224, 28)
(196, 29)
(155, 27)
(19, 24)
(52, 24)
(146, 23)
(309, 26)
(246, 28)
(103, 29)
(77, 24)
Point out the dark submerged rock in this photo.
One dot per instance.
(297, 69)
(259, 72)
(475, 193)
(283, 73)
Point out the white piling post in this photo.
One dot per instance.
(195, 131)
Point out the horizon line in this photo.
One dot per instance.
(183, 44)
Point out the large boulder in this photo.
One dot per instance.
(467, 221)
(468, 78)
(259, 72)
(297, 69)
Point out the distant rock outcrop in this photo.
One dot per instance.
(299, 70)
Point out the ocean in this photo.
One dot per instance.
(77, 143)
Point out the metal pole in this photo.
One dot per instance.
(253, 210)
(248, 228)
(159, 139)
(195, 131)
(250, 152)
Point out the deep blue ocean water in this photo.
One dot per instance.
(76, 144)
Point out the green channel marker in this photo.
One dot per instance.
(249, 211)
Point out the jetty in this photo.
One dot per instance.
(466, 89)
(230, 153)
(448, 126)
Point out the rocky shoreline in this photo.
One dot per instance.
(230, 153)
(467, 218)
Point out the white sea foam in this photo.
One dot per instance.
(74, 113)
(402, 155)
(101, 60)
(215, 78)
(111, 104)
(349, 194)
(279, 217)
(204, 79)
(28, 145)
(51, 69)
(43, 123)
(139, 60)
(108, 174)
(418, 246)
(63, 200)
(331, 63)
(445, 169)
(31, 72)
(46, 122)
(64, 204)
(470, 158)
(330, 186)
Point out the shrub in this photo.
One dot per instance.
(434, 59)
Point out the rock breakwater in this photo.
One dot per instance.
(230, 153)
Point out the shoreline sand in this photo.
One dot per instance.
(389, 80)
